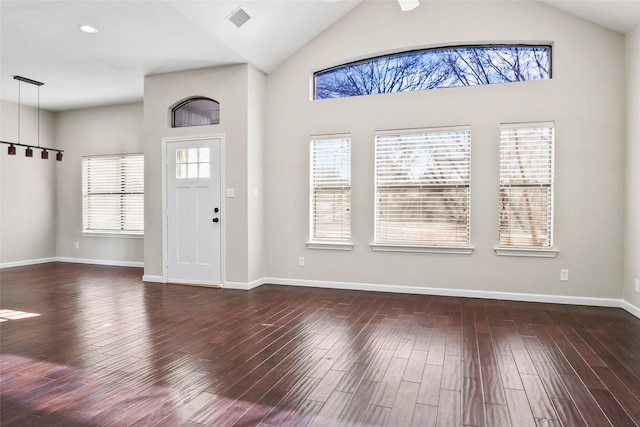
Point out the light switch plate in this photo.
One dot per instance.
(231, 192)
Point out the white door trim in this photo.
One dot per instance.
(165, 224)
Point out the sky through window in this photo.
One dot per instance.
(435, 68)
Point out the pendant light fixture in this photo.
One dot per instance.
(28, 152)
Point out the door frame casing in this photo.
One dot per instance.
(165, 209)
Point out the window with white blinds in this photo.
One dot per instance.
(422, 187)
(331, 189)
(526, 185)
(113, 194)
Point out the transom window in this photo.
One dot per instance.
(435, 68)
(196, 111)
(113, 194)
(422, 187)
(526, 185)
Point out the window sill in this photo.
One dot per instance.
(527, 252)
(330, 246)
(453, 250)
(111, 234)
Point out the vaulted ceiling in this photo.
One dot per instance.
(41, 40)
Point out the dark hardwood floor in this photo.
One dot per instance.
(92, 345)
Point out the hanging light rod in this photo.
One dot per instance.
(29, 148)
(12, 149)
(26, 80)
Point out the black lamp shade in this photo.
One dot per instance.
(44, 155)
(12, 150)
(28, 152)
(59, 156)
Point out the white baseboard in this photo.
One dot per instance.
(421, 290)
(100, 262)
(27, 262)
(243, 285)
(631, 308)
(512, 296)
(71, 260)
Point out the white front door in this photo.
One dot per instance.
(194, 211)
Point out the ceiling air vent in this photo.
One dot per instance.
(238, 17)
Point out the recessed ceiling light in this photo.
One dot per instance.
(407, 5)
(88, 29)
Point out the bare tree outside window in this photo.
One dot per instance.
(526, 185)
(435, 68)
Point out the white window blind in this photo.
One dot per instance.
(526, 185)
(422, 187)
(331, 188)
(113, 193)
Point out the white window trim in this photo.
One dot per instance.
(526, 252)
(549, 252)
(110, 233)
(339, 245)
(410, 131)
(331, 246)
(124, 234)
(452, 250)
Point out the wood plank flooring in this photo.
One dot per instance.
(93, 345)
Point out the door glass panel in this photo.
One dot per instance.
(181, 171)
(192, 155)
(181, 156)
(193, 163)
(192, 170)
(203, 170)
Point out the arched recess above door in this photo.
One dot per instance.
(195, 111)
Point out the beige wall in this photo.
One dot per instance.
(229, 86)
(255, 176)
(632, 194)
(27, 212)
(88, 132)
(266, 124)
(585, 99)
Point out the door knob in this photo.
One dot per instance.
(216, 219)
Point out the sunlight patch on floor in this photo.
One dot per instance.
(6, 314)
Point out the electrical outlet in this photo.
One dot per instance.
(564, 275)
(637, 285)
(301, 261)
(77, 245)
